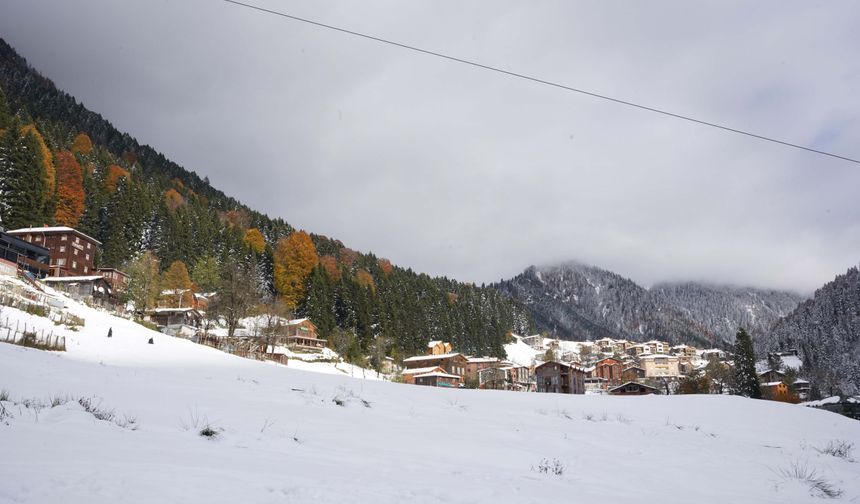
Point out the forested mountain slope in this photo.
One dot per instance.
(63, 164)
(577, 301)
(826, 332)
(723, 309)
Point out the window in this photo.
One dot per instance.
(85, 269)
(87, 257)
(77, 239)
(74, 264)
(64, 237)
(89, 245)
(61, 261)
(38, 238)
(76, 251)
(62, 248)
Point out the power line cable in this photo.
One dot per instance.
(542, 81)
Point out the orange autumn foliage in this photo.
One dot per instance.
(385, 266)
(82, 144)
(347, 256)
(47, 158)
(255, 241)
(173, 199)
(329, 264)
(129, 157)
(115, 173)
(295, 258)
(70, 190)
(365, 279)
(238, 218)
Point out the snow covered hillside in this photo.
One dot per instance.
(284, 435)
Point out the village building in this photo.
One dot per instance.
(438, 379)
(605, 345)
(683, 350)
(438, 348)
(475, 364)
(633, 373)
(639, 349)
(633, 388)
(535, 341)
(658, 347)
(389, 366)
(176, 321)
(560, 377)
(17, 255)
(408, 375)
(494, 378)
(116, 278)
(596, 385)
(609, 369)
(451, 363)
(301, 333)
(90, 289)
(521, 378)
(660, 365)
(73, 253)
(771, 375)
(713, 353)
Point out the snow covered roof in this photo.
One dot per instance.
(89, 278)
(479, 360)
(433, 343)
(418, 358)
(437, 373)
(296, 321)
(54, 229)
(656, 356)
(632, 383)
(420, 370)
(173, 310)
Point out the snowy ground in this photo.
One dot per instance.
(286, 435)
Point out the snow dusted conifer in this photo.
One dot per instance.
(746, 378)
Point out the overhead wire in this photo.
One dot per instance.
(545, 82)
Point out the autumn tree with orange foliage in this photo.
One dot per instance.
(295, 258)
(177, 280)
(329, 264)
(385, 266)
(173, 199)
(365, 279)
(82, 144)
(255, 241)
(347, 256)
(70, 190)
(115, 172)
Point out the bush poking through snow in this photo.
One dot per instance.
(4, 395)
(209, 432)
(838, 448)
(818, 486)
(96, 410)
(546, 466)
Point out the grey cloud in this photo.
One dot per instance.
(456, 171)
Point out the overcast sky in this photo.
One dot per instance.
(457, 171)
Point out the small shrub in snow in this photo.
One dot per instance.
(623, 419)
(96, 410)
(58, 400)
(4, 395)
(818, 486)
(546, 466)
(339, 401)
(838, 448)
(209, 432)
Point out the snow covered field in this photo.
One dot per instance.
(288, 435)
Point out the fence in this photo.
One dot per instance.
(31, 337)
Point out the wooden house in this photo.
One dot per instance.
(91, 288)
(633, 388)
(660, 365)
(302, 333)
(438, 379)
(17, 255)
(175, 317)
(116, 278)
(73, 253)
(451, 363)
(560, 377)
(439, 348)
(408, 375)
(609, 369)
(475, 364)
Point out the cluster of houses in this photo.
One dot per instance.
(605, 366)
(62, 257)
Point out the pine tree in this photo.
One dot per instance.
(22, 180)
(746, 378)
